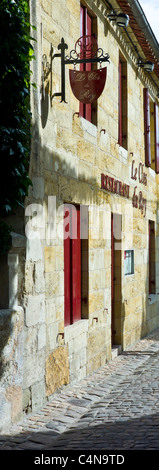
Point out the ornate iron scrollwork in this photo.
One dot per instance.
(88, 53)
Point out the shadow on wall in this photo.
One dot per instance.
(6, 328)
(4, 282)
(61, 179)
(45, 107)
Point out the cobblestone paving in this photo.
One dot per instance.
(116, 407)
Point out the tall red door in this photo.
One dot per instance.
(112, 279)
(116, 277)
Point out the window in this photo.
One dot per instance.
(88, 27)
(152, 266)
(128, 262)
(75, 263)
(122, 102)
(151, 132)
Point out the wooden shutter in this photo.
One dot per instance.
(85, 110)
(120, 105)
(72, 268)
(67, 275)
(82, 33)
(156, 138)
(88, 31)
(147, 128)
(76, 268)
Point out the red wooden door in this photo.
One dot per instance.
(112, 279)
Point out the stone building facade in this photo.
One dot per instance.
(76, 301)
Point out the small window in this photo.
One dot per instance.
(128, 262)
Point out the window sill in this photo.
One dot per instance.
(123, 154)
(88, 127)
(76, 329)
(152, 172)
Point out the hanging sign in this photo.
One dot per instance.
(87, 86)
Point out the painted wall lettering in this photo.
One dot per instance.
(138, 172)
(139, 201)
(114, 186)
(122, 189)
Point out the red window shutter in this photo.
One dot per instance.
(147, 128)
(85, 29)
(82, 33)
(156, 138)
(72, 266)
(67, 276)
(76, 266)
(120, 105)
(88, 112)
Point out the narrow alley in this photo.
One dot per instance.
(116, 407)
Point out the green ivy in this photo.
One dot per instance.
(16, 52)
(5, 238)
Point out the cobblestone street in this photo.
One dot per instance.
(116, 407)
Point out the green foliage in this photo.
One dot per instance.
(15, 55)
(5, 238)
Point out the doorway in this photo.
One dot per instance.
(116, 278)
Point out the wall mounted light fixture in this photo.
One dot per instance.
(121, 19)
(148, 65)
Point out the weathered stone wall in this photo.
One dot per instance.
(11, 367)
(67, 159)
(68, 155)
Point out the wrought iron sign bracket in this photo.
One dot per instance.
(87, 56)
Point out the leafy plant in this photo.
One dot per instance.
(5, 238)
(16, 52)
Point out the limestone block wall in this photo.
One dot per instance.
(76, 338)
(11, 367)
(34, 328)
(68, 156)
